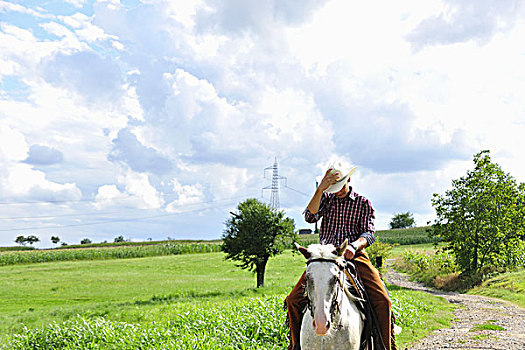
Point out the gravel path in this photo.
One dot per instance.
(473, 310)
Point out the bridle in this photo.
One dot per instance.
(335, 307)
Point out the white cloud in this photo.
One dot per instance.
(140, 158)
(461, 21)
(76, 3)
(21, 180)
(56, 29)
(187, 195)
(137, 192)
(11, 7)
(13, 146)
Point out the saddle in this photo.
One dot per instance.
(371, 335)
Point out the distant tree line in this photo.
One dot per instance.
(31, 239)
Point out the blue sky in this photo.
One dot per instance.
(153, 119)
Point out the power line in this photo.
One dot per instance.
(56, 201)
(112, 221)
(114, 212)
(293, 189)
(76, 200)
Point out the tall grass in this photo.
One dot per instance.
(141, 243)
(434, 269)
(126, 252)
(242, 324)
(254, 323)
(15, 248)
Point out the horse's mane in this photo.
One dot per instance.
(322, 251)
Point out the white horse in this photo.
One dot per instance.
(334, 321)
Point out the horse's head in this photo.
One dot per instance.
(324, 280)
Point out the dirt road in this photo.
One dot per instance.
(473, 312)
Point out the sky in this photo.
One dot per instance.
(153, 119)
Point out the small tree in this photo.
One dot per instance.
(403, 220)
(85, 241)
(481, 218)
(55, 239)
(119, 239)
(21, 240)
(32, 239)
(254, 234)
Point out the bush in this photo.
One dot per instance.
(379, 249)
(431, 269)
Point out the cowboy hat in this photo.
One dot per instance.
(341, 180)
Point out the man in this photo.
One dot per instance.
(346, 216)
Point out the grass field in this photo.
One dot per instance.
(103, 253)
(509, 286)
(120, 304)
(407, 236)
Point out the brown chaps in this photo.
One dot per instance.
(374, 287)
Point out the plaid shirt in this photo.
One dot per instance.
(344, 218)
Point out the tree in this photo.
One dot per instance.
(119, 239)
(21, 240)
(55, 239)
(254, 234)
(85, 241)
(32, 239)
(403, 220)
(481, 218)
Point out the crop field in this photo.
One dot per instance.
(119, 252)
(194, 301)
(408, 236)
(405, 236)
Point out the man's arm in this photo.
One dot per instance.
(367, 238)
(315, 202)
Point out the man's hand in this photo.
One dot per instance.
(349, 252)
(328, 180)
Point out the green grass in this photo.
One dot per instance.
(425, 248)
(39, 293)
(140, 301)
(256, 323)
(120, 252)
(405, 236)
(487, 326)
(244, 323)
(509, 286)
(15, 248)
(142, 243)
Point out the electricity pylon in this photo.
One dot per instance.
(274, 197)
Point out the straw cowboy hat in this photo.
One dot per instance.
(341, 180)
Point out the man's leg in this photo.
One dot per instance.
(295, 303)
(377, 294)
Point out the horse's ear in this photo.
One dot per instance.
(303, 250)
(341, 249)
